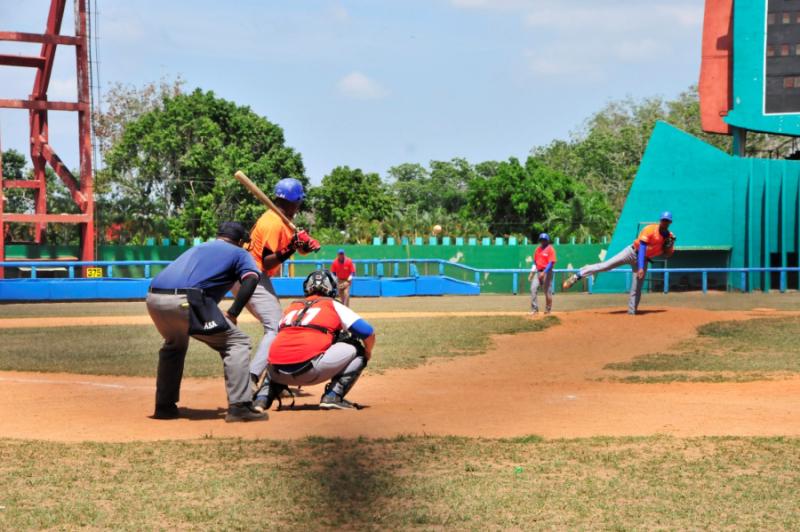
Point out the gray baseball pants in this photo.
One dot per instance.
(548, 291)
(170, 314)
(628, 255)
(265, 306)
(338, 359)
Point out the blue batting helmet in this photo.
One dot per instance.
(290, 189)
(666, 215)
(544, 236)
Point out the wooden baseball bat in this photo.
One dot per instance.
(263, 198)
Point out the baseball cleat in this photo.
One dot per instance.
(331, 401)
(244, 412)
(166, 412)
(566, 285)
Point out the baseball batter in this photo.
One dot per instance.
(344, 270)
(182, 302)
(309, 350)
(541, 276)
(271, 244)
(653, 241)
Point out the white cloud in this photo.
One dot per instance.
(340, 13)
(361, 87)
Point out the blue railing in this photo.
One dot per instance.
(412, 268)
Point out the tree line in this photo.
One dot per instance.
(169, 156)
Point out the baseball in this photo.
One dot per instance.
(437, 229)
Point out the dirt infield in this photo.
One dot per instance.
(536, 383)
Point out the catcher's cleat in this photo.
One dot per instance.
(166, 412)
(261, 404)
(566, 285)
(331, 401)
(244, 412)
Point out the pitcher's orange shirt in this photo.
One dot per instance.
(271, 233)
(651, 236)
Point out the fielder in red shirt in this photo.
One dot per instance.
(541, 276)
(310, 348)
(344, 270)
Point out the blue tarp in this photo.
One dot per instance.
(110, 289)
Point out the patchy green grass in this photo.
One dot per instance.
(403, 483)
(724, 351)
(133, 350)
(485, 303)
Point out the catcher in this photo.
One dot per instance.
(319, 340)
(654, 240)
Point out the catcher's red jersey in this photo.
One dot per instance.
(314, 334)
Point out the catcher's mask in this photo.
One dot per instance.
(322, 283)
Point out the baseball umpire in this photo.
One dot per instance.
(183, 302)
(271, 244)
(654, 240)
(319, 340)
(541, 275)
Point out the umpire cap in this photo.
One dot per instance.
(234, 230)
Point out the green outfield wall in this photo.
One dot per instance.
(477, 256)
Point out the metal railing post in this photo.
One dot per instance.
(515, 283)
(666, 282)
(590, 283)
(705, 282)
(783, 281)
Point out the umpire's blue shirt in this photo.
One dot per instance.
(213, 267)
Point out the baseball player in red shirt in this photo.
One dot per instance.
(344, 270)
(310, 349)
(541, 276)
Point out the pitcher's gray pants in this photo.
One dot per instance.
(170, 314)
(548, 291)
(627, 256)
(265, 306)
(339, 359)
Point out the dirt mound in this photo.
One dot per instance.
(537, 383)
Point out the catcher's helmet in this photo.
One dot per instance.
(235, 231)
(322, 283)
(290, 189)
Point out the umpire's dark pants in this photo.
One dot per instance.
(170, 314)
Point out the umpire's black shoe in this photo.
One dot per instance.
(244, 412)
(166, 412)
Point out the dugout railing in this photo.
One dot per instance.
(489, 280)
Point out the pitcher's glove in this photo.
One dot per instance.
(303, 242)
(669, 242)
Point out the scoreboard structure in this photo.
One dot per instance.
(750, 74)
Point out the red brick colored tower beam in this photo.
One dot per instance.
(42, 153)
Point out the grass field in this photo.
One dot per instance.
(489, 302)
(724, 351)
(133, 350)
(410, 482)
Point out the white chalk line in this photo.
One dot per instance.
(18, 380)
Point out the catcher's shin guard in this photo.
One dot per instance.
(342, 383)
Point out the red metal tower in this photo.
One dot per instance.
(42, 154)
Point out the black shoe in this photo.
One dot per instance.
(166, 412)
(244, 412)
(331, 401)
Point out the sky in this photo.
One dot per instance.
(376, 83)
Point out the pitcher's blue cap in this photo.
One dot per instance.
(666, 215)
(341, 251)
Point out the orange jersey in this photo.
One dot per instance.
(314, 333)
(544, 256)
(271, 233)
(651, 236)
